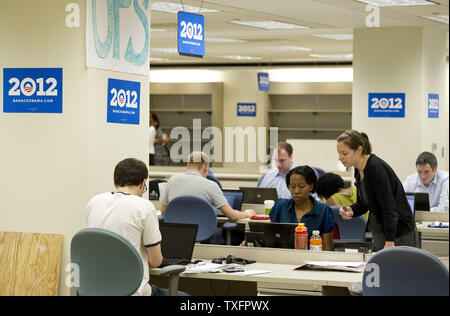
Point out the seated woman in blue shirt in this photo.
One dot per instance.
(303, 208)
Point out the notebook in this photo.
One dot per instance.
(259, 195)
(276, 235)
(178, 242)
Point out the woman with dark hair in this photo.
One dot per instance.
(380, 191)
(303, 208)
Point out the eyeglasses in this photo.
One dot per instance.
(145, 188)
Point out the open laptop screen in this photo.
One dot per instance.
(276, 235)
(411, 198)
(259, 195)
(178, 240)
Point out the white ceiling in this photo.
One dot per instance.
(321, 16)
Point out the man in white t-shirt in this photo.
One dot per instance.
(126, 213)
(431, 180)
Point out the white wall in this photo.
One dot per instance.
(399, 60)
(52, 164)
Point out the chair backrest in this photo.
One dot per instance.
(154, 187)
(192, 209)
(318, 171)
(405, 271)
(260, 180)
(349, 229)
(108, 264)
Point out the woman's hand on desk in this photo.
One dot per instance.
(346, 212)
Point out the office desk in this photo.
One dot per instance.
(282, 280)
(434, 240)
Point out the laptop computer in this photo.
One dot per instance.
(254, 195)
(411, 197)
(177, 243)
(421, 201)
(276, 235)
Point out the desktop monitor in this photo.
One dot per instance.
(259, 195)
(276, 235)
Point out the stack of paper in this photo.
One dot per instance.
(333, 265)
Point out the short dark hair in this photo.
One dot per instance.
(427, 158)
(307, 172)
(130, 171)
(287, 147)
(329, 184)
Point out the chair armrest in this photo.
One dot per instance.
(173, 269)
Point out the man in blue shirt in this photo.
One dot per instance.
(430, 180)
(277, 178)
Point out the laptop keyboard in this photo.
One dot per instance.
(171, 261)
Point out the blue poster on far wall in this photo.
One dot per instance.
(433, 105)
(246, 109)
(32, 90)
(387, 104)
(124, 99)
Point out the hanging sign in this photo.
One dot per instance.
(118, 35)
(263, 81)
(191, 34)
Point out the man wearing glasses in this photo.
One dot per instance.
(126, 213)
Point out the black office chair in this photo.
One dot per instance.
(153, 189)
(352, 232)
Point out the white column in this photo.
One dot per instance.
(407, 60)
(52, 164)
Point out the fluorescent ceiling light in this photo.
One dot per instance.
(238, 57)
(338, 37)
(270, 25)
(397, 3)
(223, 40)
(438, 18)
(171, 7)
(165, 50)
(333, 56)
(286, 48)
(156, 30)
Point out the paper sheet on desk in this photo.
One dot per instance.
(333, 265)
(202, 268)
(252, 272)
